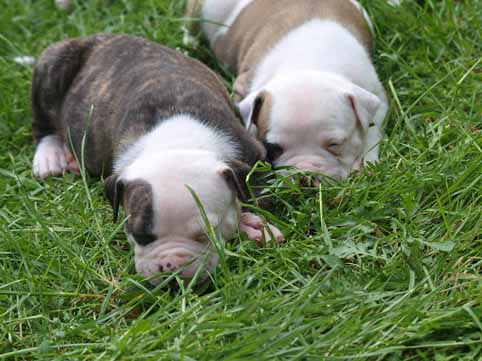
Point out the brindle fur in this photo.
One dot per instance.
(111, 89)
(137, 202)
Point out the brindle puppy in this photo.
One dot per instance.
(154, 122)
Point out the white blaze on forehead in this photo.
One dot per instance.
(170, 174)
(181, 132)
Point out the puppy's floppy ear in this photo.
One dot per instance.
(365, 105)
(250, 108)
(114, 189)
(235, 177)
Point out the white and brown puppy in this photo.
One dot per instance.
(154, 122)
(305, 79)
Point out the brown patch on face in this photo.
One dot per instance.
(138, 207)
(264, 117)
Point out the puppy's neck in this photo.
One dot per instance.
(178, 133)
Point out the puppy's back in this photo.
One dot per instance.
(249, 38)
(122, 87)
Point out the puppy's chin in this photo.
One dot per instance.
(186, 257)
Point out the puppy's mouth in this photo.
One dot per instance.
(318, 165)
(186, 259)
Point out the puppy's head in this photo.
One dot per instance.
(164, 223)
(313, 121)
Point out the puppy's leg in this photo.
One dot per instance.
(192, 27)
(49, 159)
(241, 87)
(53, 74)
(63, 4)
(395, 2)
(258, 230)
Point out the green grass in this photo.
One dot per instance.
(384, 266)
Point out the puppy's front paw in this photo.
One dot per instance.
(63, 4)
(49, 159)
(188, 40)
(258, 230)
(72, 165)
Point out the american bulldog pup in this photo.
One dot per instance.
(154, 123)
(305, 80)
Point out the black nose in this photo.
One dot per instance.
(168, 267)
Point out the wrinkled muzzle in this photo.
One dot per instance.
(186, 257)
(315, 164)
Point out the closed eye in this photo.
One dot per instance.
(273, 151)
(334, 148)
(143, 238)
(202, 238)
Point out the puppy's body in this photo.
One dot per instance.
(156, 122)
(253, 30)
(121, 88)
(303, 64)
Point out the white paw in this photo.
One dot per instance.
(258, 230)
(371, 156)
(63, 4)
(394, 2)
(188, 40)
(24, 60)
(49, 159)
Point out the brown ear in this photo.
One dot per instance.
(365, 106)
(114, 189)
(236, 178)
(250, 108)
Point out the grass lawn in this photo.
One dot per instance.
(383, 266)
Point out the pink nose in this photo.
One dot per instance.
(330, 171)
(173, 263)
(309, 166)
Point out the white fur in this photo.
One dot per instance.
(63, 4)
(179, 153)
(324, 48)
(319, 45)
(24, 60)
(179, 132)
(318, 115)
(50, 157)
